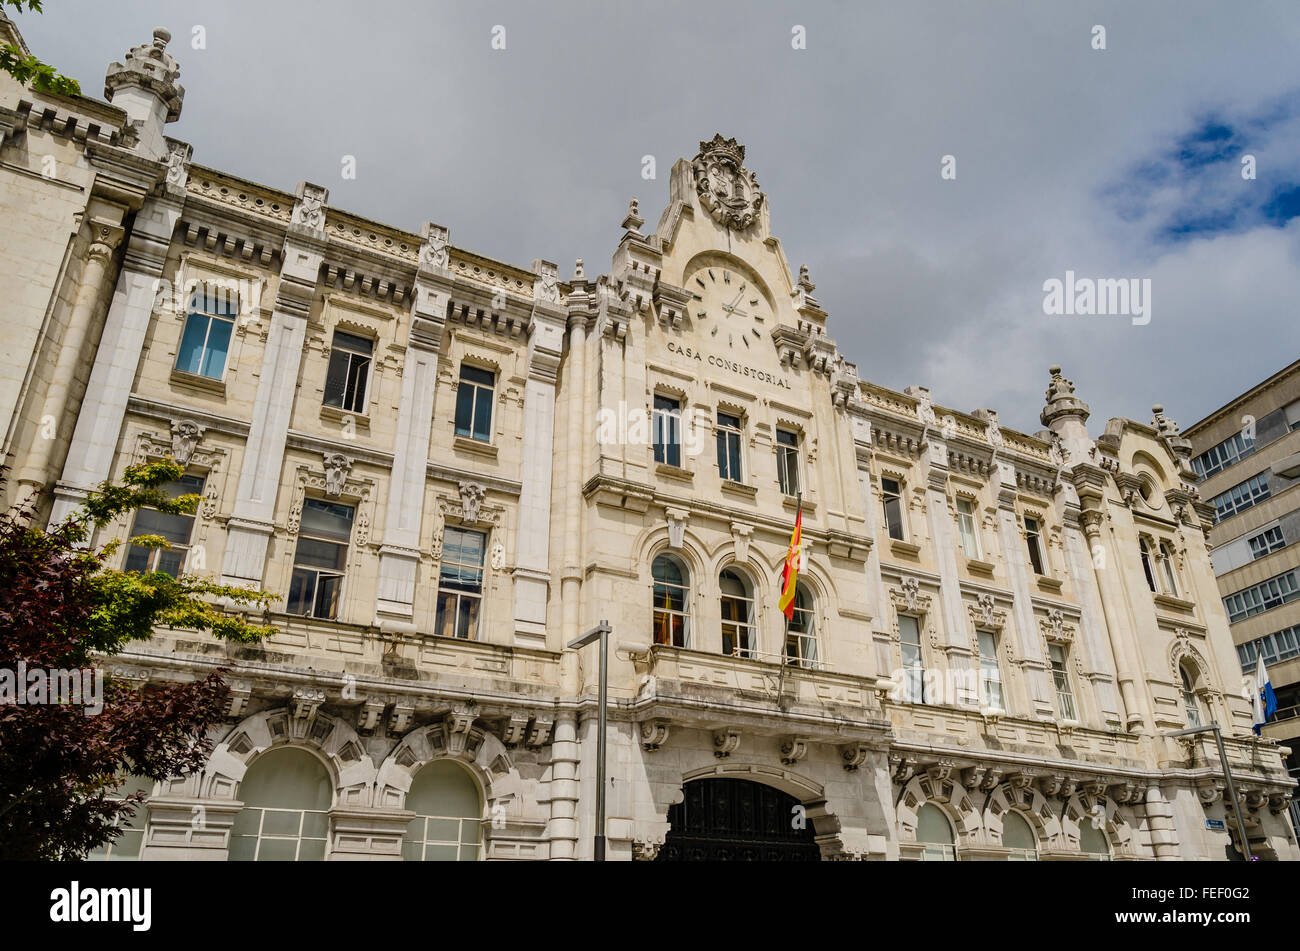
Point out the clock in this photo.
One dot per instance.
(729, 305)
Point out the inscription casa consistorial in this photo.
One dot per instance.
(734, 366)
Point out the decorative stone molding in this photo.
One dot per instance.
(433, 252)
(907, 596)
(1055, 629)
(240, 694)
(902, 768)
(178, 160)
(643, 851)
(309, 209)
(725, 742)
(462, 738)
(726, 189)
(370, 713)
(985, 614)
(401, 718)
(337, 467)
(853, 756)
(677, 519)
(546, 287)
(740, 536)
(539, 734)
(185, 438)
(471, 500)
(515, 729)
(654, 734)
(793, 749)
(306, 701)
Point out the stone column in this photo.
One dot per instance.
(957, 649)
(399, 555)
(1118, 624)
(1160, 825)
(104, 239)
(99, 423)
(574, 388)
(880, 660)
(252, 521)
(1079, 563)
(563, 828)
(533, 539)
(1017, 559)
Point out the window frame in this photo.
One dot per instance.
(209, 311)
(468, 392)
(730, 438)
(972, 531)
(1034, 544)
(746, 630)
(667, 451)
(913, 674)
(897, 496)
(1067, 706)
(995, 665)
(318, 571)
(471, 594)
(361, 397)
(661, 617)
(788, 476)
(807, 651)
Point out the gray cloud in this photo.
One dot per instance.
(534, 151)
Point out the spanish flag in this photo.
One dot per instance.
(790, 570)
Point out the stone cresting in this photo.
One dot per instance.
(975, 631)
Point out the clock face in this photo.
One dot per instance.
(729, 307)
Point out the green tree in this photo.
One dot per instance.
(26, 68)
(62, 608)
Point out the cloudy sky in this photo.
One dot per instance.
(1117, 163)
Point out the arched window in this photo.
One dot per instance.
(448, 815)
(1092, 839)
(934, 832)
(801, 631)
(1018, 836)
(738, 635)
(671, 601)
(1190, 704)
(287, 795)
(126, 847)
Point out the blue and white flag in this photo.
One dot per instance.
(1265, 699)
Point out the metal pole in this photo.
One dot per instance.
(599, 851)
(1232, 791)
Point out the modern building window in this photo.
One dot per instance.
(738, 635)
(448, 815)
(990, 670)
(320, 559)
(474, 403)
(1034, 543)
(667, 426)
(1278, 646)
(1227, 453)
(1261, 597)
(1018, 836)
(1191, 706)
(126, 847)
(460, 583)
(205, 342)
(1144, 551)
(1092, 840)
(1170, 570)
(671, 601)
(909, 637)
(1061, 680)
(177, 529)
(787, 461)
(1267, 542)
(891, 494)
(970, 542)
(801, 631)
(1240, 497)
(287, 795)
(934, 833)
(729, 433)
(348, 376)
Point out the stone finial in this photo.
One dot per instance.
(805, 281)
(1169, 432)
(149, 67)
(633, 222)
(578, 273)
(1061, 401)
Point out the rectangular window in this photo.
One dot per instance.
(787, 461)
(1061, 679)
(1034, 542)
(1267, 542)
(667, 425)
(909, 635)
(970, 543)
(205, 342)
(729, 447)
(474, 403)
(1171, 572)
(1261, 597)
(891, 494)
(990, 670)
(460, 583)
(801, 636)
(349, 372)
(1240, 497)
(737, 624)
(1227, 453)
(177, 529)
(320, 559)
(1144, 552)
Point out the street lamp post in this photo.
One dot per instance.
(1227, 775)
(601, 632)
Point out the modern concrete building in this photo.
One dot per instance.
(1247, 456)
(448, 467)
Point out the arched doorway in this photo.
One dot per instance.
(737, 820)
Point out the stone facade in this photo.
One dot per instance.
(916, 518)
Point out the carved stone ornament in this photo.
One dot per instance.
(908, 595)
(727, 190)
(741, 535)
(433, 253)
(178, 157)
(725, 742)
(654, 734)
(471, 500)
(546, 287)
(185, 438)
(337, 467)
(676, 527)
(985, 614)
(498, 560)
(793, 749)
(309, 209)
(854, 755)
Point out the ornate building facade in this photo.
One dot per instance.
(448, 467)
